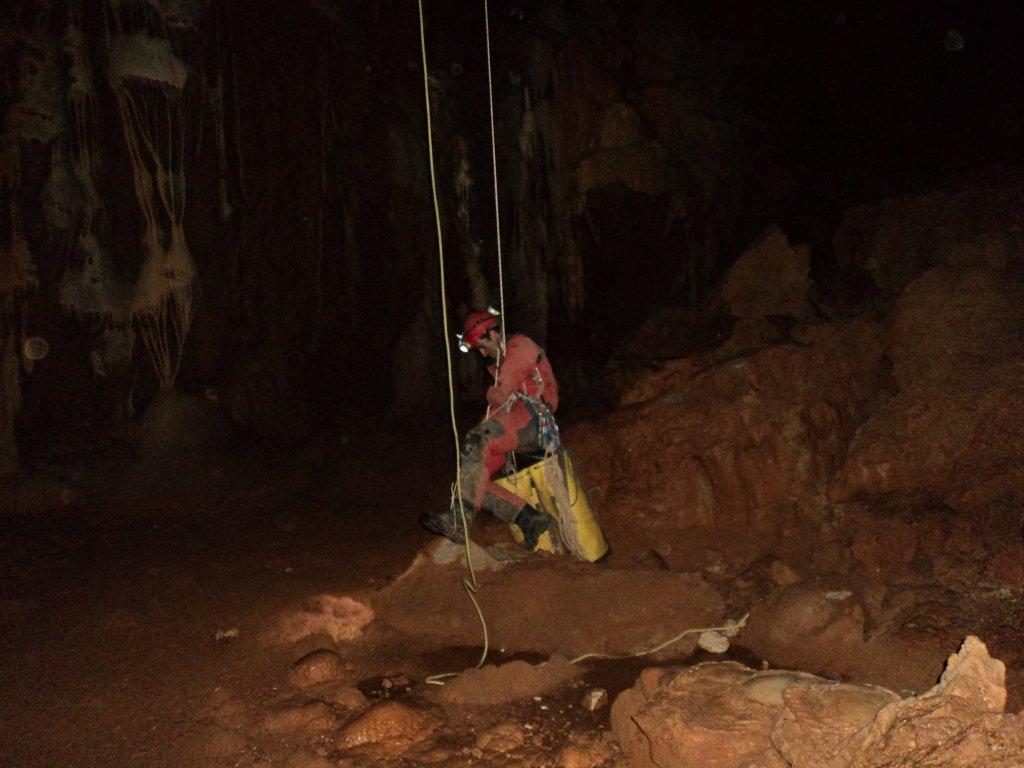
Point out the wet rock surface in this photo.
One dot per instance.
(320, 666)
(390, 726)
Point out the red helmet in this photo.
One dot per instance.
(476, 327)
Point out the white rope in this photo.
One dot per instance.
(494, 166)
(470, 584)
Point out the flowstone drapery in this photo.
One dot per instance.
(148, 80)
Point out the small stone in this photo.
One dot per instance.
(320, 666)
(391, 724)
(713, 642)
(838, 595)
(782, 574)
(344, 696)
(502, 738)
(386, 683)
(594, 699)
(586, 755)
(226, 635)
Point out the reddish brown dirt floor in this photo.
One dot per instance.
(109, 608)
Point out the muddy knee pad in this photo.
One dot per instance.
(474, 467)
(478, 437)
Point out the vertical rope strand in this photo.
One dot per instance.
(471, 584)
(494, 166)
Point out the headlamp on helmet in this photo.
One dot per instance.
(477, 325)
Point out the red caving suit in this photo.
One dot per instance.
(512, 426)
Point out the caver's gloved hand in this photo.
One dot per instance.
(533, 523)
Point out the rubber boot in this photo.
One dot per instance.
(532, 523)
(448, 524)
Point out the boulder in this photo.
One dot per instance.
(809, 623)
(639, 167)
(502, 683)
(953, 432)
(610, 611)
(976, 223)
(319, 666)
(724, 715)
(951, 322)
(962, 444)
(391, 725)
(737, 444)
(771, 278)
(958, 723)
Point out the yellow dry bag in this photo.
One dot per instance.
(549, 483)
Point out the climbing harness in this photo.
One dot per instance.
(548, 439)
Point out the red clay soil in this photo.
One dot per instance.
(110, 608)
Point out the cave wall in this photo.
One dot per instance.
(309, 210)
(640, 147)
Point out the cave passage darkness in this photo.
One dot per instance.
(774, 251)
